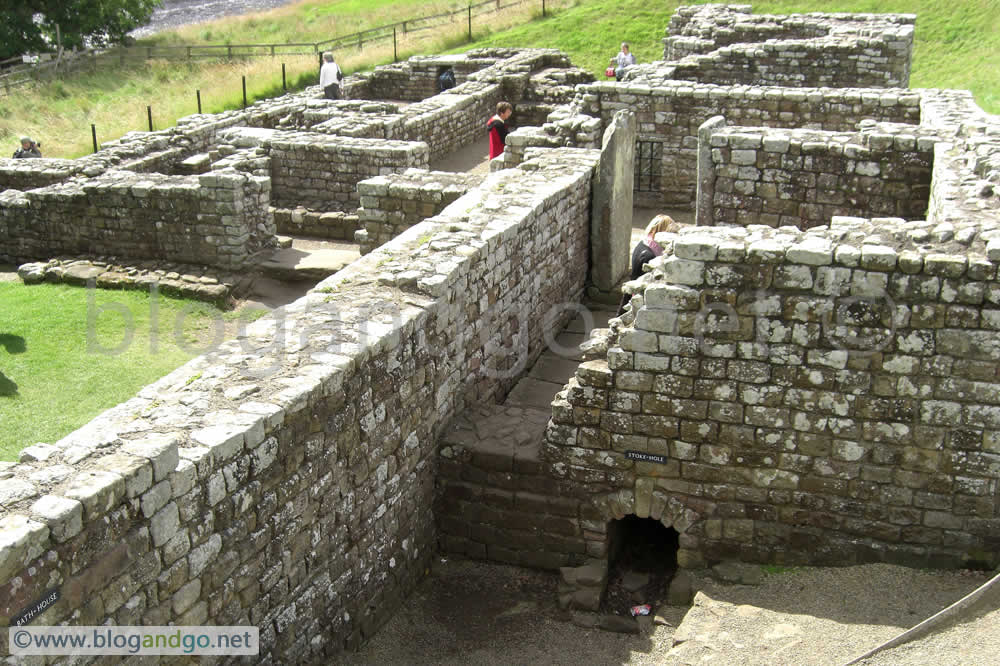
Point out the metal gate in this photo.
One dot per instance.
(648, 157)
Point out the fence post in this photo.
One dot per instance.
(93, 135)
(189, 48)
(149, 115)
(198, 93)
(229, 52)
(284, 86)
(395, 55)
(470, 23)
(244, 92)
(543, 8)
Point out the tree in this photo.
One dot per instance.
(30, 25)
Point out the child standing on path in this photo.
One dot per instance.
(497, 128)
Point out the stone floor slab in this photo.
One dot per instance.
(552, 368)
(531, 392)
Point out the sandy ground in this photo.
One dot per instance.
(469, 612)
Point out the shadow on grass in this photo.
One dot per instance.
(14, 344)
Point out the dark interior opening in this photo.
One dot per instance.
(642, 558)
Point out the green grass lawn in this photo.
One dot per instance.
(69, 353)
(957, 44)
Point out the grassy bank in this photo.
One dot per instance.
(957, 46)
(69, 353)
(60, 113)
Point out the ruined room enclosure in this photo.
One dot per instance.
(301, 477)
(289, 165)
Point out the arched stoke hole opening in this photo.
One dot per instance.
(642, 558)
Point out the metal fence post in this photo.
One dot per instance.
(284, 86)
(470, 23)
(244, 92)
(198, 93)
(93, 135)
(395, 55)
(149, 115)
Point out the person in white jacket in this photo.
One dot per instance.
(624, 58)
(330, 77)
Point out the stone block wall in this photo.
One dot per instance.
(321, 172)
(285, 480)
(392, 204)
(453, 120)
(852, 50)
(820, 63)
(217, 219)
(804, 178)
(495, 498)
(669, 113)
(304, 222)
(825, 397)
(29, 174)
(416, 79)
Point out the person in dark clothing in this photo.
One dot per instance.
(497, 128)
(28, 149)
(446, 80)
(646, 250)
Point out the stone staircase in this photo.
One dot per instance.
(493, 487)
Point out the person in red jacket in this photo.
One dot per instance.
(497, 128)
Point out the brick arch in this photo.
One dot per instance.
(644, 501)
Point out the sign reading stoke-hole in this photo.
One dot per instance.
(646, 457)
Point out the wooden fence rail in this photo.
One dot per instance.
(14, 73)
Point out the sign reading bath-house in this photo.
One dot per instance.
(646, 457)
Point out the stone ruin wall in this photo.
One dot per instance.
(319, 150)
(321, 172)
(392, 204)
(818, 398)
(286, 480)
(718, 62)
(669, 115)
(805, 178)
(755, 463)
(726, 44)
(416, 79)
(771, 468)
(216, 219)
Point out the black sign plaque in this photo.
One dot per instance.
(34, 610)
(646, 457)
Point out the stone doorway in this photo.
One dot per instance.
(642, 559)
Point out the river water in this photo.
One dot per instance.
(176, 13)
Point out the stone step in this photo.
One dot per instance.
(531, 392)
(598, 317)
(553, 368)
(498, 431)
(295, 264)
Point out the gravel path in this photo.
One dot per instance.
(176, 13)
